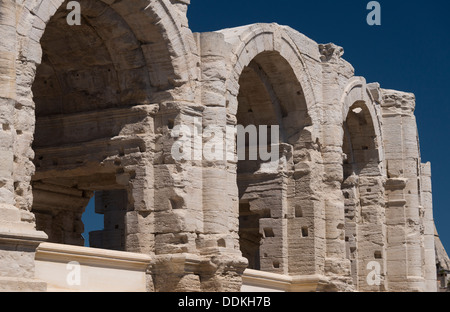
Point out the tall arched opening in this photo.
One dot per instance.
(270, 101)
(363, 191)
(94, 93)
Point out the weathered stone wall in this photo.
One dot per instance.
(95, 108)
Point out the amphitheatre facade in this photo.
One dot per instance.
(92, 108)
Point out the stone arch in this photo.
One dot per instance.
(268, 66)
(357, 91)
(251, 41)
(363, 181)
(174, 46)
(144, 50)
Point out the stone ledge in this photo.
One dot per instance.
(25, 237)
(254, 280)
(92, 256)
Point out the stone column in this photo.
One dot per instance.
(113, 205)
(404, 259)
(177, 211)
(9, 212)
(306, 222)
(18, 237)
(219, 239)
(336, 264)
(371, 230)
(140, 213)
(429, 253)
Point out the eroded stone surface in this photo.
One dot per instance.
(92, 108)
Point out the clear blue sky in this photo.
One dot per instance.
(408, 52)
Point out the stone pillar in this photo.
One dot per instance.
(18, 236)
(306, 222)
(371, 230)
(404, 257)
(113, 205)
(177, 211)
(336, 264)
(139, 217)
(219, 197)
(429, 253)
(9, 213)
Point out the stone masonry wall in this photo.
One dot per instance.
(97, 108)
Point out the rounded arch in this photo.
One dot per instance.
(157, 27)
(363, 180)
(144, 50)
(270, 94)
(251, 41)
(269, 84)
(357, 92)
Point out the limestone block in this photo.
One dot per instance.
(45, 10)
(32, 51)
(8, 13)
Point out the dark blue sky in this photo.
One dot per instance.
(408, 52)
